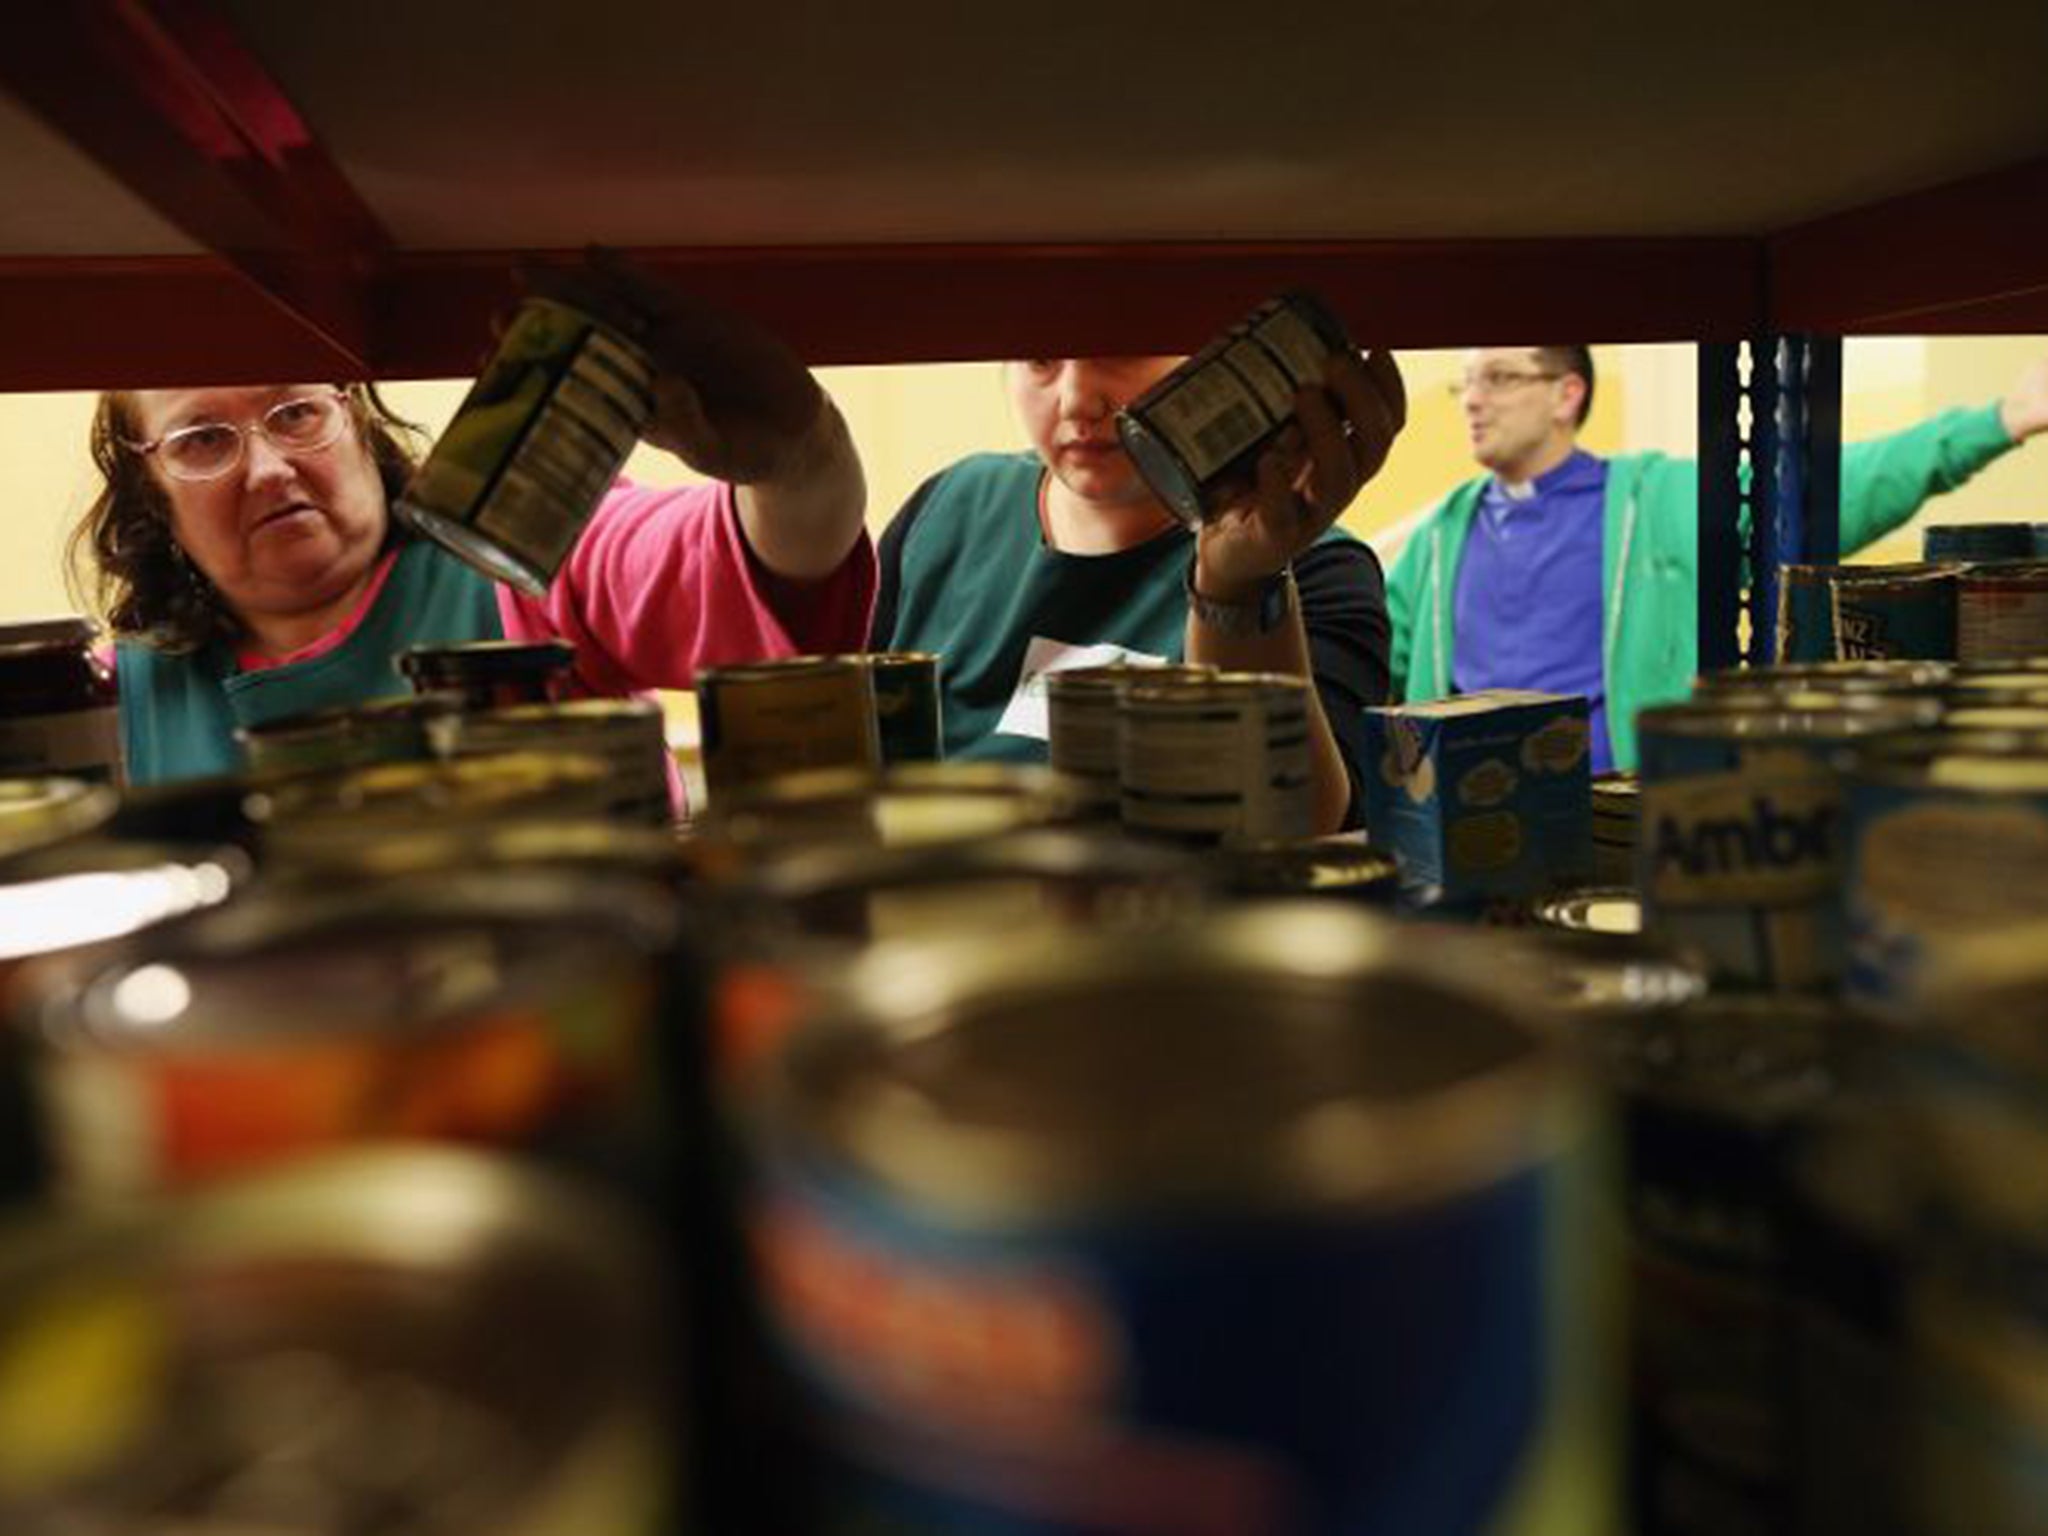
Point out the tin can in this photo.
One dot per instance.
(1826, 677)
(1197, 434)
(1806, 613)
(1739, 859)
(323, 822)
(1591, 958)
(534, 445)
(492, 674)
(1946, 838)
(59, 715)
(1716, 1098)
(1340, 867)
(1978, 1311)
(1977, 541)
(1857, 1200)
(1896, 612)
(909, 805)
(514, 1008)
(2001, 612)
(1997, 682)
(1084, 721)
(908, 721)
(347, 736)
(1041, 1270)
(427, 1341)
(35, 813)
(1217, 760)
(629, 736)
(790, 927)
(1617, 816)
(60, 907)
(768, 718)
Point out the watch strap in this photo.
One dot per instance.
(1260, 615)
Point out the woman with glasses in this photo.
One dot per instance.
(244, 552)
(1563, 571)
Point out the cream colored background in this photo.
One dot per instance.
(910, 421)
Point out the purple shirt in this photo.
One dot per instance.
(1527, 604)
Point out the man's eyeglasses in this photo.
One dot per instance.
(209, 449)
(1494, 381)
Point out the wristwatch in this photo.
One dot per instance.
(1260, 615)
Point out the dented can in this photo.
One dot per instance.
(1197, 434)
(536, 442)
(1004, 1283)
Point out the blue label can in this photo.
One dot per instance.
(1268, 1226)
(1737, 855)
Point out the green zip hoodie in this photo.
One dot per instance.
(1649, 561)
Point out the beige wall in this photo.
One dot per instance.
(910, 421)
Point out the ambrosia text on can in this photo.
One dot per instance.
(1197, 434)
(511, 482)
(1738, 852)
(1084, 1235)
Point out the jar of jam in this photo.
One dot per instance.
(58, 710)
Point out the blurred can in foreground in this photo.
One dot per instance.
(518, 1008)
(1177, 1232)
(515, 476)
(426, 1341)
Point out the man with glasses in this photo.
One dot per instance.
(1570, 573)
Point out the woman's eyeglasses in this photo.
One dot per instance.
(209, 449)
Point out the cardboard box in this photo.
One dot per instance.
(1483, 795)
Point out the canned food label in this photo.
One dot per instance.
(1236, 771)
(1210, 419)
(80, 743)
(1740, 838)
(1297, 344)
(1922, 870)
(2000, 622)
(1255, 366)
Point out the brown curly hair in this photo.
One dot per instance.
(123, 554)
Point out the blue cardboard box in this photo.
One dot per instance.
(1483, 795)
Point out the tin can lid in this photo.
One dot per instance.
(485, 661)
(69, 629)
(1297, 1056)
(37, 812)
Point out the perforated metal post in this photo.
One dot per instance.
(1770, 483)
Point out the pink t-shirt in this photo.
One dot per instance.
(661, 584)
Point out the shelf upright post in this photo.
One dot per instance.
(1798, 399)
(1723, 451)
